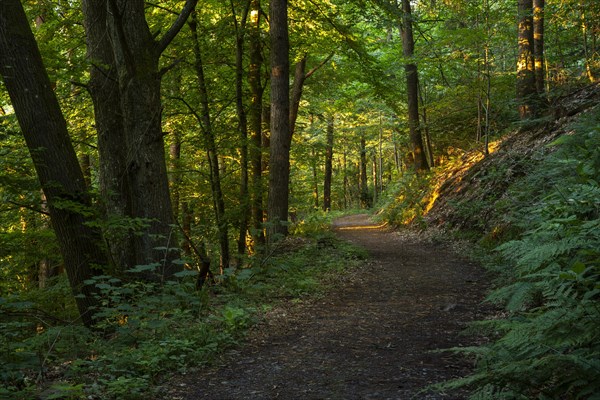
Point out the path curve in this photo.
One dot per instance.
(372, 338)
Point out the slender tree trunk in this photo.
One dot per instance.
(428, 146)
(585, 28)
(315, 175)
(364, 187)
(45, 132)
(526, 88)
(298, 85)
(277, 208)
(211, 150)
(538, 46)
(345, 177)
(255, 122)
(242, 126)
(175, 174)
(412, 88)
(328, 164)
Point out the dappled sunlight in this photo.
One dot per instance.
(361, 227)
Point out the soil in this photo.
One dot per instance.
(373, 336)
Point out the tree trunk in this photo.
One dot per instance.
(211, 150)
(315, 176)
(526, 89)
(112, 152)
(45, 132)
(298, 85)
(279, 176)
(538, 46)
(328, 164)
(412, 89)
(135, 56)
(242, 126)
(364, 187)
(255, 122)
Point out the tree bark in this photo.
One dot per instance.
(364, 186)
(526, 88)
(255, 122)
(412, 89)
(297, 87)
(240, 29)
(47, 138)
(538, 46)
(328, 164)
(112, 152)
(279, 175)
(135, 57)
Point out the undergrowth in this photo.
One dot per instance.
(146, 332)
(547, 345)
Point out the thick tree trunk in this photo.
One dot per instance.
(112, 152)
(45, 132)
(526, 89)
(328, 164)
(135, 56)
(412, 88)
(279, 176)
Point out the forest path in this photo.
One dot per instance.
(370, 338)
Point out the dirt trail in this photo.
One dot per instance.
(371, 338)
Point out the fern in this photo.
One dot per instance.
(548, 346)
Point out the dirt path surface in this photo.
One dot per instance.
(371, 338)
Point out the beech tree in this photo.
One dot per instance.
(54, 158)
(125, 51)
(279, 175)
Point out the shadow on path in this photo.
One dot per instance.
(371, 338)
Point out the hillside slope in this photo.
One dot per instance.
(534, 205)
(470, 191)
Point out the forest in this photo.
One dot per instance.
(171, 169)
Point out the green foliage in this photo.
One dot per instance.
(548, 346)
(406, 200)
(146, 331)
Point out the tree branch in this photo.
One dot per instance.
(316, 68)
(162, 44)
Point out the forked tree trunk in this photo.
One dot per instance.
(47, 138)
(142, 164)
(112, 153)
